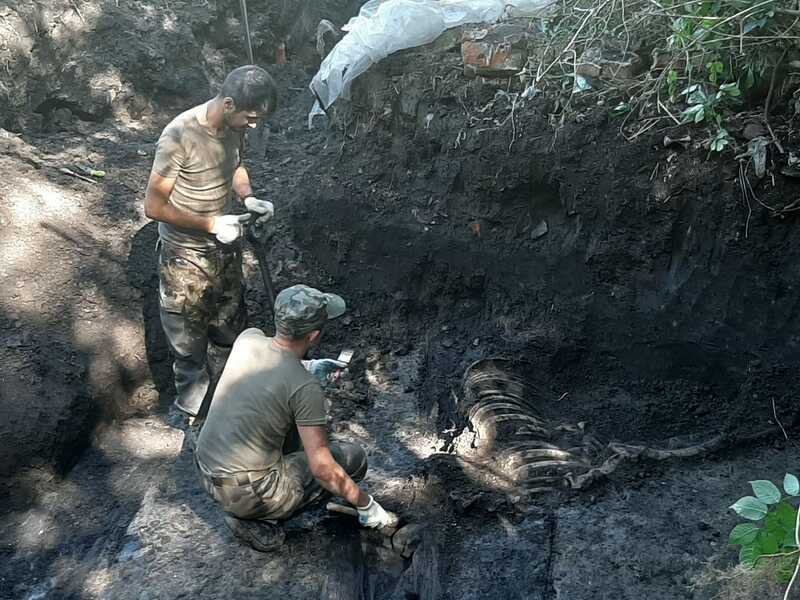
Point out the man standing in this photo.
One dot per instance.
(263, 452)
(197, 166)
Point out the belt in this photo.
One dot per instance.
(219, 248)
(234, 480)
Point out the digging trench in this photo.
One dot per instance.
(560, 358)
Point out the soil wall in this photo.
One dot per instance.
(636, 279)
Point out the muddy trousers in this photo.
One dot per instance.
(282, 491)
(201, 301)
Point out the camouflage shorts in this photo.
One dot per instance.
(206, 288)
(283, 490)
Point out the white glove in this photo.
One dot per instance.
(373, 515)
(265, 208)
(228, 228)
(325, 369)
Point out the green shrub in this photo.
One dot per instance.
(769, 532)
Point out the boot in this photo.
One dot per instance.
(264, 536)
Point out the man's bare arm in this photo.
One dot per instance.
(325, 469)
(158, 207)
(241, 183)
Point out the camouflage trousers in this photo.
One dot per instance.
(282, 491)
(201, 301)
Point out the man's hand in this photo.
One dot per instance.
(325, 369)
(265, 208)
(228, 228)
(374, 516)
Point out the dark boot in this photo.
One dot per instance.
(264, 536)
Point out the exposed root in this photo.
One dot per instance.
(622, 453)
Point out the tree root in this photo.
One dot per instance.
(622, 453)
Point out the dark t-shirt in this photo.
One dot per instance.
(263, 394)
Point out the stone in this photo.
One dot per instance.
(408, 538)
(609, 64)
(539, 231)
(753, 130)
(494, 51)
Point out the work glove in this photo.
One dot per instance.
(228, 228)
(374, 516)
(265, 208)
(327, 370)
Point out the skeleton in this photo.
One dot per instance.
(508, 440)
(508, 433)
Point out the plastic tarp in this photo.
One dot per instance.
(386, 26)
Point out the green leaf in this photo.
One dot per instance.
(690, 114)
(700, 115)
(766, 491)
(743, 534)
(751, 25)
(781, 522)
(791, 485)
(786, 515)
(720, 141)
(672, 76)
(750, 78)
(750, 508)
(715, 69)
(767, 543)
(730, 89)
(788, 541)
(748, 555)
(621, 109)
(697, 96)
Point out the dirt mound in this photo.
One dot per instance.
(91, 60)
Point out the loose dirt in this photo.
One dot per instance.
(631, 284)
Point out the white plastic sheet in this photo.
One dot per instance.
(386, 26)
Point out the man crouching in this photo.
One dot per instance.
(263, 452)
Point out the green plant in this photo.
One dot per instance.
(718, 49)
(672, 85)
(707, 107)
(621, 109)
(715, 71)
(770, 532)
(719, 142)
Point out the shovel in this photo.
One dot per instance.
(402, 537)
(255, 238)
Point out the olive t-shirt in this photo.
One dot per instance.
(263, 394)
(202, 164)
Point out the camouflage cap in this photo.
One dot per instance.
(301, 309)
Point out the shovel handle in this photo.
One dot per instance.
(261, 255)
(342, 509)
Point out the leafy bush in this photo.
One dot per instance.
(716, 52)
(770, 530)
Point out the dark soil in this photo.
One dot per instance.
(656, 300)
(631, 284)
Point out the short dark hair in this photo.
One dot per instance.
(251, 88)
